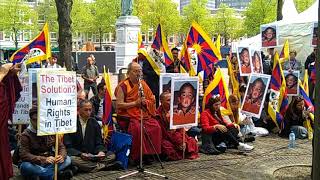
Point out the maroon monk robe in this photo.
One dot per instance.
(10, 88)
(172, 139)
(151, 126)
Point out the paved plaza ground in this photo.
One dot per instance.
(271, 159)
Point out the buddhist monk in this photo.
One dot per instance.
(10, 88)
(172, 140)
(132, 102)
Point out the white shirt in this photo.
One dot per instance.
(100, 111)
(83, 126)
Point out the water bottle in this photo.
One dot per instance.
(292, 140)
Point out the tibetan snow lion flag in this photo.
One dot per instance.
(37, 50)
(107, 123)
(206, 51)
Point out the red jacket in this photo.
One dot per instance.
(208, 121)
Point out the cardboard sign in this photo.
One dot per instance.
(57, 102)
(21, 110)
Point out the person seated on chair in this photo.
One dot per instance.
(130, 106)
(245, 122)
(294, 119)
(217, 131)
(97, 102)
(37, 155)
(172, 145)
(86, 148)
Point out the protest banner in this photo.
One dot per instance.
(292, 82)
(21, 111)
(184, 102)
(269, 36)
(57, 102)
(165, 81)
(244, 60)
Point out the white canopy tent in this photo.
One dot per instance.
(297, 28)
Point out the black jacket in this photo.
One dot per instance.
(91, 143)
(95, 100)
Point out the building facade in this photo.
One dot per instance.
(211, 4)
(236, 4)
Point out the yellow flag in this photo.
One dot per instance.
(305, 82)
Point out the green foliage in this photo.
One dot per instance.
(82, 17)
(17, 16)
(259, 12)
(226, 23)
(142, 9)
(48, 12)
(302, 5)
(198, 12)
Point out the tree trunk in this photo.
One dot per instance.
(65, 36)
(316, 133)
(279, 10)
(100, 38)
(15, 34)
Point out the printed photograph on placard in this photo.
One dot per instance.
(165, 81)
(314, 34)
(257, 66)
(255, 94)
(269, 36)
(244, 61)
(184, 102)
(292, 85)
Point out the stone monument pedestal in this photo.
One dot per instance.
(127, 29)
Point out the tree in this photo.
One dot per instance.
(198, 12)
(226, 23)
(17, 16)
(279, 10)
(82, 17)
(259, 12)
(105, 14)
(64, 8)
(142, 9)
(48, 12)
(302, 5)
(166, 13)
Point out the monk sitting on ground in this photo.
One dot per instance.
(171, 145)
(133, 100)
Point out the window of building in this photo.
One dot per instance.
(19, 36)
(41, 18)
(89, 36)
(113, 37)
(143, 35)
(7, 36)
(53, 36)
(26, 35)
(150, 36)
(1, 36)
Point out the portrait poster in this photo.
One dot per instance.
(255, 94)
(269, 36)
(21, 111)
(165, 81)
(314, 34)
(57, 102)
(257, 66)
(292, 82)
(184, 102)
(244, 61)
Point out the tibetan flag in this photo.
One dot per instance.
(218, 44)
(284, 55)
(313, 76)
(37, 50)
(186, 60)
(233, 79)
(217, 87)
(306, 82)
(140, 43)
(160, 43)
(309, 106)
(153, 64)
(206, 51)
(278, 103)
(107, 123)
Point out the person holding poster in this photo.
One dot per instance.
(185, 110)
(218, 131)
(269, 36)
(172, 145)
(86, 146)
(10, 89)
(37, 155)
(293, 64)
(133, 98)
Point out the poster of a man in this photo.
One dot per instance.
(165, 81)
(292, 85)
(244, 59)
(269, 36)
(257, 66)
(314, 34)
(255, 94)
(184, 102)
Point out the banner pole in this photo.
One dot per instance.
(56, 154)
(183, 142)
(19, 132)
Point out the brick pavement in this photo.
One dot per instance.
(271, 158)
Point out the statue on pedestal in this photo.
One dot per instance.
(126, 7)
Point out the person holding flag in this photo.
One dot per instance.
(176, 65)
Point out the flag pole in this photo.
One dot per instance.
(183, 142)
(56, 155)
